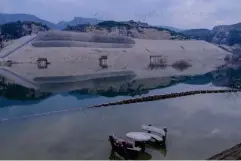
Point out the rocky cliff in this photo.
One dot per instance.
(223, 34)
(132, 29)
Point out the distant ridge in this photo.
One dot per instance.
(7, 18)
(78, 21)
(172, 28)
(223, 34)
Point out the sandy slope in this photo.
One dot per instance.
(65, 61)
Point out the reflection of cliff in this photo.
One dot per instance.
(227, 78)
(223, 78)
(66, 84)
(11, 92)
(14, 91)
(126, 86)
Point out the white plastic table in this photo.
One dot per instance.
(138, 136)
(153, 129)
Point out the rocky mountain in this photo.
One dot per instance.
(7, 18)
(223, 34)
(78, 21)
(130, 29)
(226, 34)
(172, 28)
(197, 33)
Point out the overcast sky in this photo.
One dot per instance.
(177, 13)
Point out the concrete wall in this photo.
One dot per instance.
(82, 37)
(64, 43)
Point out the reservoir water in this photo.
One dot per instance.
(40, 124)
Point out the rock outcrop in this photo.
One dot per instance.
(131, 28)
(223, 34)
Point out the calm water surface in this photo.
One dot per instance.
(198, 126)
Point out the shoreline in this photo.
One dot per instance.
(233, 153)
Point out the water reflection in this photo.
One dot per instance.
(120, 154)
(200, 126)
(142, 156)
(14, 94)
(111, 87)
(160, 148)
(49, 91)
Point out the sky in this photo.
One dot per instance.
(183, 14)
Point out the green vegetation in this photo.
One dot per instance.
(16, 30)
(110, 24)
(234, 37)
(80, 27)
(181, 65)
(9, 91)
(198, 34)
(13, 29)
(224, 34)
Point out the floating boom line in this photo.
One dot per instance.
(165, 96)
(124, 102)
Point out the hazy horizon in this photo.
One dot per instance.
(176, 13)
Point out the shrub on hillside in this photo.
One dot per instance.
(181, 65)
